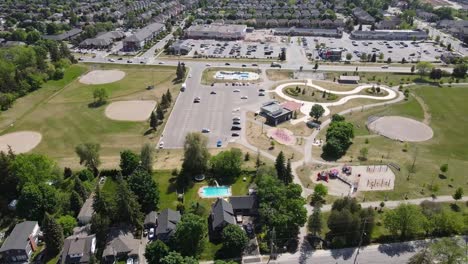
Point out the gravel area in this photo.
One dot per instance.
(401, 128)
(102, 76)
(137, 110)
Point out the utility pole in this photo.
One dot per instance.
(360, 241)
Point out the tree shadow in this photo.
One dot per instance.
(345, 253)
(442, 176)
(396, 249)
(96, 104)
(149, 131)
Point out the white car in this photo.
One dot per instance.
(111, 60)
(190, 75)
(129, 261)
(244, 97)
(385, 67)
(206, 130)
(151, 234)
(161, 144)
(208, 65)
(236, 90)
(236, 109)
(236, 118)
(161, 62)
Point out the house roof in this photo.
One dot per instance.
(121, 241)
(167, 221)
(151, 218)
(243, 202)
(222, 212)
(86, 211)
(145, 32)
(78, 248)
(68, 34)
(19, 237)
(291, 105)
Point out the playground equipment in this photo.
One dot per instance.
(334, 173)
(322, 176)
(347, 170)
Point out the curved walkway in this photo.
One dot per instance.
(352, 94)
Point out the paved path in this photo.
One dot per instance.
(352, 94)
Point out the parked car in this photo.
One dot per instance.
(219, 143)
(261, 94)
(206, 130)
(212, 92)
(151, 233)
(235, 134)
(197, 100)
(236, 128)
(236, 90)
(244, 97)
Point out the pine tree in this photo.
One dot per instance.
(164, 102)
(53, 235)
(128, 208)
(76, 202)
(280, 168)
(169, 96)
(100, 205)
(80, 189)
(153, 121)
(288, 175)
(160, 113)
(315, 221)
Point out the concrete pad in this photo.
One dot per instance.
(137, 110)
(401, 128)
(282, 135)
(102, 77)
(20, 142)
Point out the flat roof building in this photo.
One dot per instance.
(275, 113)
(216, 31)
(349, 79)
(390, 34)
(319, 32)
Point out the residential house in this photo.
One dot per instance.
(103, 40)
(120, 245)
(138, 40)
(86, 211)
(21, 243)
(68, 35)
(167, 222)
(244, 205)
(78, 249)
(362, 16)
(151, 220)
(221, 215)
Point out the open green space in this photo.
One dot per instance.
(447, 112)
(391, 78)
(208, 75)
(60, 111)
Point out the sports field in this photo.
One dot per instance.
(60, 111)
(445, 111)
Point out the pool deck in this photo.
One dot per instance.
(202, 195)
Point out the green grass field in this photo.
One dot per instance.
(449, 121)
(60, 112)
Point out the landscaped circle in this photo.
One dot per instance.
(310, 94)
(137, 110)
(102, 76)
(20, 142)
(401, 128)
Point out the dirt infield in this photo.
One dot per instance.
(136, 110)
(102, 76)
(20, 142)
(401, 128)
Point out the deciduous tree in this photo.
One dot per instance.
(89, 156)
(147, 157)
(145, 188)
(129, 162)
(234, 240)
(190, 235)
(317, 111)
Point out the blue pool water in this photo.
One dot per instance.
(212, 191)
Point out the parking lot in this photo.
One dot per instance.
(210, 110)
(233, 49)
(396, 50)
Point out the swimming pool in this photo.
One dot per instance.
(236, 75)
(215, 191)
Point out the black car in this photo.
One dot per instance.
(236, 122)
(243, 65)
(235, 134)
(236, 128)
(213, 92)
(227, 64)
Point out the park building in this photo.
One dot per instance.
(389, 35)
(216, 31)
(275, 113)
(143, 36)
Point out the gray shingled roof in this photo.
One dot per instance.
(222, 213)
(167, 221)
(77, 245)
(243, 202)
(151, 218)
(18, 238)
(145, 32)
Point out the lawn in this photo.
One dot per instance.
(208, 75)
(449, 122)
(279, 75)
(65, 120)
(389, 78)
